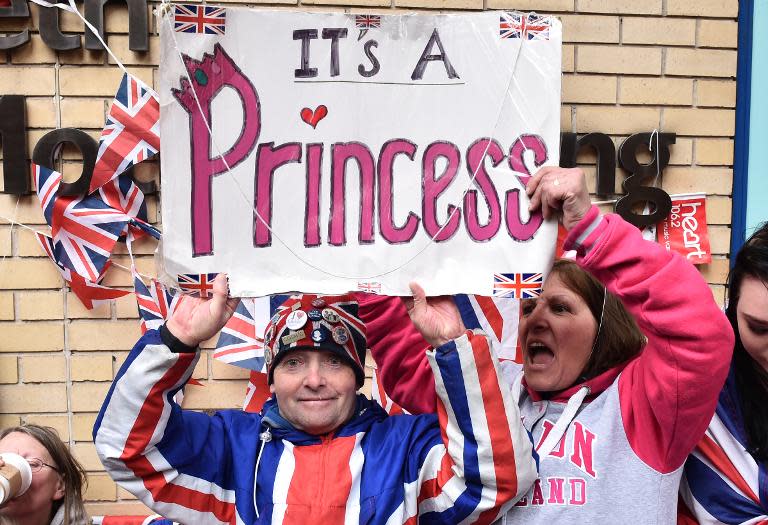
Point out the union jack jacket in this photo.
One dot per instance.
(468, 463)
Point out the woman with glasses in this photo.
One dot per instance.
(55, 496)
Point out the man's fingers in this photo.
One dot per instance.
(220, 286)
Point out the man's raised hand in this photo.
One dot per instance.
(197, 319)
(436, 318)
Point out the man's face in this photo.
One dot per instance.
(315, 390)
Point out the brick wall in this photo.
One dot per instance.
(628, 67)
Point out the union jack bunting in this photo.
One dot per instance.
(723, 482)
(156, 303)
(197, 284)
(367, 21)
(200, 19)
(517, 285)
(498, 317)
(131, 133)
(241, 341)
(84, 229)
(257, 391)
(122, 194)
(528, 26)
(91, 294)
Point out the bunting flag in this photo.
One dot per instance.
(91, 294)
(379, 395)
(131, 133)
(257, 392)
(86, 229)
(498, 317)
(123, 194)
(241, 341)
(156, 303)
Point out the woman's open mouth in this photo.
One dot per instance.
(539, 354)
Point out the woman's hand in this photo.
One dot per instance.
(196, 319)
(559, 190)
(436, 318)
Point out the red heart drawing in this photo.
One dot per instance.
(313, 117)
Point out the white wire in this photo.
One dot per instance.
(12, 222)
(71, 8)
(10, 231)
(165, 8)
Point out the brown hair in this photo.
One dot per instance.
(71, 472)
(618, 338)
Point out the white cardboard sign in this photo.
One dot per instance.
(334, 152)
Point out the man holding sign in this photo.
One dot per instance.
(318, 452)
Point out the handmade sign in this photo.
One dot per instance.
(335, 152)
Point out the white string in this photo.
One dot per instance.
(112, 263)
(72, 9)
(165, 12)
(10, 230)
(561, 426)
(657, 153)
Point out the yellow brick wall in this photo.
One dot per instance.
(628, 67)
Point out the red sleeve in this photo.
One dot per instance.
(669, 393)
(399, 352)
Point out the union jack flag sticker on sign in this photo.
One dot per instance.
(367, 21)
(200, 19)
(197, 284)
(529, 26)
(517, 285)
(369, 287)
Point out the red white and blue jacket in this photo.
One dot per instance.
(724, 482)
(467, 464)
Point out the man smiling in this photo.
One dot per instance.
(319, 452)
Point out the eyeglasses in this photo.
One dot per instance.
(37, 464)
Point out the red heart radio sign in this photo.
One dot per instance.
(685, 229)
